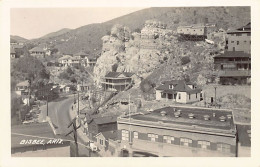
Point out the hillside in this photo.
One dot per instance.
(89, 37)
(57, 33)
(18, 38)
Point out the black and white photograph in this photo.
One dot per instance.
(152, 81)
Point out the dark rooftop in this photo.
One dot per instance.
(179, 86)
(103, 120)
(110, 135)
(199, 117)
(232, 54)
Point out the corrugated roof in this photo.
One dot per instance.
(233, 54)
(65, 57)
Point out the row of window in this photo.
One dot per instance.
(239, 34)
(183, 141)
(239, 41)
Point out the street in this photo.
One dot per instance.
(58, 111)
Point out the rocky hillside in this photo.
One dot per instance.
(89, 37)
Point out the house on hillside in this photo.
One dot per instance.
(239, 39)
(90, 60)
(103, 138)
(82, 87)
(22, 88)
(100, 124)
(118, 81)
(178, 91)
(234, 65)
(40, 51)
(64, 60)
(13, 53)
(193, 32)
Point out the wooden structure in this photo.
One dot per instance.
(193, 32)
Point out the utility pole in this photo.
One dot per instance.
(215, 96)
(47, 106)
(74, 131)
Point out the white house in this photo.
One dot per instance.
(178, 91)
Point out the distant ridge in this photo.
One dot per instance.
(88, 37)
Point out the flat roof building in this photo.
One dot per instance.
(178, 131)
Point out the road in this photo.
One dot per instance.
(58, 112)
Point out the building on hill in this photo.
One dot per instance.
(13, 53)
(64, 60)
(233, 67)
(178, 91)
(90, 60)
(117, 81)
(178, 132)
(196, 32)
(22, 88)
(239, 39)
(40, 51)
(100, 124)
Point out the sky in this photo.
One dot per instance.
(32, 23)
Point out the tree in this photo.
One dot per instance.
(114, 67)
(185, 60)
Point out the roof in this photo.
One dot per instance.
(65, 57)
(109, 135)
(30, 131)
(184, 119)
(244, 133)
(18, 46)
(103, 120)
(116, 74)
(179, 86)
(243, 29)
(91, 57)
(24, 83)
(232, 54)
(37, 49)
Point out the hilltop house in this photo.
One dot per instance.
(64, 60)
(22, 88)
(234, 66)
(178, 91)
(40, 51)
(90, 60)
(193, 32)
(117, 80)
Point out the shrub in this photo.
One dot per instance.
(185, 60)
(114, 67)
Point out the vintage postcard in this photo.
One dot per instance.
(131, 81)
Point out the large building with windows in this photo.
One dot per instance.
(178, 132)
(239, 39)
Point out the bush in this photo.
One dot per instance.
(114, 67)
(147, 86)
(185, 60)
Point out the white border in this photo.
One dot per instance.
(6, 159)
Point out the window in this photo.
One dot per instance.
(239, 34)
(196, 96)
(136, 135)
(203, 144)
(152, 137)
(101, 141)
(248, 34)
(237, 42)
(185, 141)
(223, 147)
(179, 96)
(125, 135)
(168, 139)
(244, 41)
(189, 96)
(171, 86)
(232, 41)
